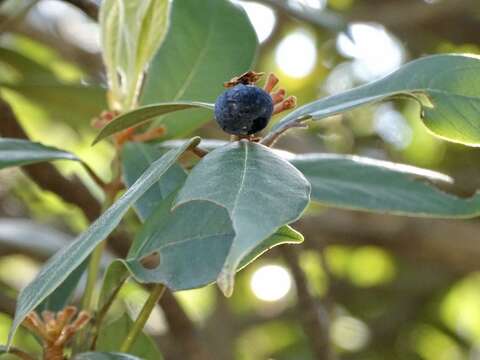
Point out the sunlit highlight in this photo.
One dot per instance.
(72, 24)
(349, 333)
(376, 52)
(392, 126)
(262, 17)
(296, 54)
(271, 283)
(313, 4)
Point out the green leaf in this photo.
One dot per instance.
(285, 235)
(366, 184)
(446, 86)
(113, 334)
(144, 114)
(260, 191)
(192, 242)
(361, 183)
(131, 33)
(191, 248)
(16, 152)
(57, 269)
(209, 42)
(105, 356)
(136, 158)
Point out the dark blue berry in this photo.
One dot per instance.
(243, 110)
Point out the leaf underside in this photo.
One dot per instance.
(446, 86)
(360, 183)
(17, 152)
(366, 184)
(146, 113)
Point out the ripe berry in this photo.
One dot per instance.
(243, 109)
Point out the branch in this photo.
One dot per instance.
(405, 14)
(272, 137)
(314, 318)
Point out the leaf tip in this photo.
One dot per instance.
(96, 140)
(11, 333)
(226, 282)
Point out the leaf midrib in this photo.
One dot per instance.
(194, 238)
(242, 182)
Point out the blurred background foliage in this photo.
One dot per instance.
(394, 288)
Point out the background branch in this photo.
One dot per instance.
(313, 316)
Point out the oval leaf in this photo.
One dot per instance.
(191, 248)
(208, 43)
(144, 114)
(17, 152)
(446, 86)
(64, 262)
(366, 184)
(260, 190)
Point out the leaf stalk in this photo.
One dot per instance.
(142, 318)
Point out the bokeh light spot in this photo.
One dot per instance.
(271, 283)
(350, 333)
(262, 17)
(392, 127)
(296, 54)
(375, 51)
